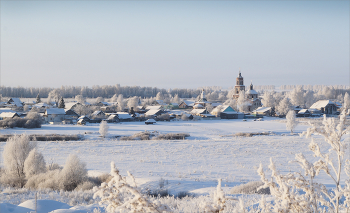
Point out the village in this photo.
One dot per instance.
(240, 104)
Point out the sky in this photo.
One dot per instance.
(174, 44)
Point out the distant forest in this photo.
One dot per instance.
(107, 91)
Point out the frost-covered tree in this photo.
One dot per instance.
(284, 106)
(309, 98)
(99, 99)
(38, 99)
(176, 99)
(34, 164)
(346, 103)
(80, 99)
(73, 173)
(114, 98)
(15, 152)
(121, 195)
(120, 102)
(297, 96)
(61, 103)
(53, 95)
(103, 128)
(26, 108)
(133, 102)
(232, 103)
(159, 96)
(291, 121)
(268, 100)
(231, 93)
(242, 105)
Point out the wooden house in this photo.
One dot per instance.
(54, 115)
(303, 113)
(325, 106)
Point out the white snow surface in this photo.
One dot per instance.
(192, 165)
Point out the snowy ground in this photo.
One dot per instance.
(191, 165)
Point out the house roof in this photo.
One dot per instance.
(303, 111)
(189, 103)
(83, 117)
(321, 104)
(55, 111)
(262, 109)
(151, 120)
(199, 111)
(15, 101)
(8, 114)
(251, 92)
(70, 105)
(6, 110)
(39, 105)
(124, 115)
(152, 112)
(153, 107)
(97, 112)
(111, 117)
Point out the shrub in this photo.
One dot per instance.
(16, 150)
(250, 188)
(73, 173)
(34, 163)
(171, 136)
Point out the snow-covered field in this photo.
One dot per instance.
(191, 165)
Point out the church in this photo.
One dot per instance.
(251, 95)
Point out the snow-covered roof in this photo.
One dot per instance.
(198, 106)
(160, 102)
(153, 107)
(70, 105)
(97, 112)
(321, 104)
(262, 109)
(151, 121)
(55, 111)
(251, 92)
(216, 104)
(152, 112)
(6, 110)
(198, 111)
(8, 114)
(15, 101)
(39, 105)
(303, 111)
(124, 115)
(83, 117)
(189, 103)
(111, 117)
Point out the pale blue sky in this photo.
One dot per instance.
(174, 44)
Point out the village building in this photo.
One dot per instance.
(9, 115)
(239, 85)
(326, 107)
(186, 104)
(253, 100)
(54, 115)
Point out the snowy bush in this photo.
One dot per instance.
(250, 188)
(120, 196)
(103, 128)
(47, 180)
(315, 197)
(15, 152)
(73, 173)
(34, 164)
(291, 121)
